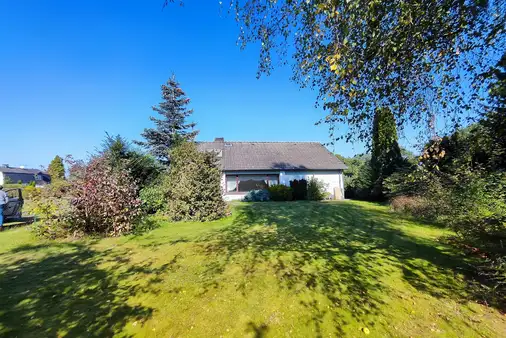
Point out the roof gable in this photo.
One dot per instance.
(274, 156)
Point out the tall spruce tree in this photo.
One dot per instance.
(386, 154)
(173, 126)
(56, 169)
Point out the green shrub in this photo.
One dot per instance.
(315, 190)
(121, 156)
(31, 192)
(53, 218)
(413, 205)
(358, 177)
(146, 224)
(479, 207)
(257, 196)
(194, 185)
(153, 196)
(299, 189)
(52, 207)
(473, 204)
(280, 192)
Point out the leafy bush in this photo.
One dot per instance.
(153, 196)
(473, 204)
(280, 192)
(121, 156)
(31, 192)
(299, 189)
(194, 185)
(96, 200)
(146, 224)
(257, 196)
(479, 208)
(316, 190)
(414, 205)
(358, 177)
(53, 218)
(52, 207)
(104, 200)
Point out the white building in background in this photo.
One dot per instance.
(256, 165)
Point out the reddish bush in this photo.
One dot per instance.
(94, 200)
(103, 200)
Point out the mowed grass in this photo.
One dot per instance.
(297, 269)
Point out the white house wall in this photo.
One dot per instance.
(331, 179)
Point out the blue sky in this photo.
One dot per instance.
(70, 71)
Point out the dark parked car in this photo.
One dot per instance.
(13, 210)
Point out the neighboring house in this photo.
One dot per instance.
(256, 165)
(25, 176)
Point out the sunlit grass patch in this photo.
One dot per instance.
(271, 269)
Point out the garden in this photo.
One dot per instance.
(136, 239)
(270, 269)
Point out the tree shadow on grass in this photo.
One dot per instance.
(65, 293)
(341, 251)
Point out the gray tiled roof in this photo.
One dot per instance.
(20, 170)
(274, 155)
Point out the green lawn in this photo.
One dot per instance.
(271, 270)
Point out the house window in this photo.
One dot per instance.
(245, 183)
(231, 183)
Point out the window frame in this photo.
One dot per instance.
(267, 177)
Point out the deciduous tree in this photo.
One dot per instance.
(409, 55)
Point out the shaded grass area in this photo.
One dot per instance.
(272, 269)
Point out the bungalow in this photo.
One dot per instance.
(256, 165)
(23, 176)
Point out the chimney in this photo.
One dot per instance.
(219, 139)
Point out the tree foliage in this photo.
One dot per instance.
(459, 183)
(194, 185)
(386, 155)
(173, 126)
(409, 55)
(299, 188)
(316, 189)
(357, 178)
(280, 192)
(56, 169)
(104, 200)
(96, 199)
(143, 168)
(494, 123)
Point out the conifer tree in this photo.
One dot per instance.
(173, 126)
(56, 169)
(386, 154)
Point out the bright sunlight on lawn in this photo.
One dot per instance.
(296, 269)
